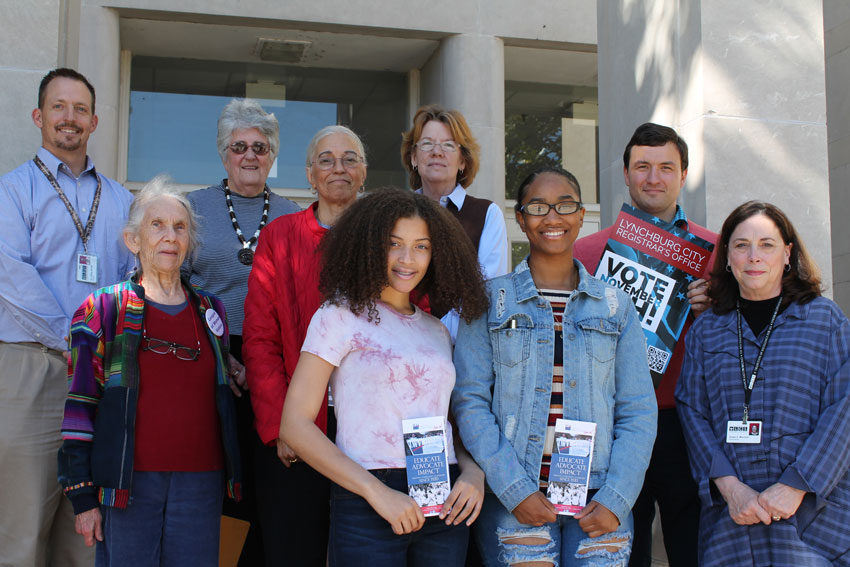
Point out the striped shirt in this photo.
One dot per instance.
(558, 300)
(215, 266)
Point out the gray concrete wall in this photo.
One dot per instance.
(99, 54)
(529, 20)
(646, 53)
(743, 83)
(836, 17)
(467, 73)
(29, 48)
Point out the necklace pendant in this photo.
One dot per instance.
(246, 256)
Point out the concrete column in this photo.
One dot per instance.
(69, 30)
(836, 18)
(578, 148)
(100, 57)
(28, 50)
(467, 73)
(743, 83)
(414, 93)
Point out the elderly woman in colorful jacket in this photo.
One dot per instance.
(149, 434)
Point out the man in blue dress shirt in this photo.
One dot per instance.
(60, 239)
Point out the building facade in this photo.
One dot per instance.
(759, 91)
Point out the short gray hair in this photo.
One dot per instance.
(244, 113)
(157, 188)
(334, 129)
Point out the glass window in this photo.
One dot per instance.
(551, 125)
(175, 105)
(519, 250)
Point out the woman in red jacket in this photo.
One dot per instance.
(283, 295)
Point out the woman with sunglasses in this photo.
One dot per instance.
(149, 434)
(283, 294)
(441, 158)
(555, 343)
(231, 216)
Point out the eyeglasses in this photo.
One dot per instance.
(326, 161)
(428, 145)
(259, 148)
(542, 209)
(160, 346)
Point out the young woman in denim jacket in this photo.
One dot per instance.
(556, 342)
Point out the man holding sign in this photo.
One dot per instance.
(655, 165)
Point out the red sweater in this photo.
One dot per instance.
(588, 251)
(283, 295)
(177, 424)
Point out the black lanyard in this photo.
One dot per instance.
(84, 233)
(749, 385)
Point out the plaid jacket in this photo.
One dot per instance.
(802, 394)
(96, 457)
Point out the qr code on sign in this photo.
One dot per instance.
(656, 358)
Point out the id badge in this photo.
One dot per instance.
(743, 432)
(87, 268)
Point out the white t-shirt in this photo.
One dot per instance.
(399, 369)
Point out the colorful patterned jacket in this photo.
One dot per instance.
(96, 457)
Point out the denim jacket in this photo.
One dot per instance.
(501, 399)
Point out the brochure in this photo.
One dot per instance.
(569, 472)
(427, 462)
(654, 267)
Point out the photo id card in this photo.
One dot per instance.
(743, 432)
(87, 268)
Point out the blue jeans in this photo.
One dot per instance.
(361, 538)
(173, 519)
(563, 543)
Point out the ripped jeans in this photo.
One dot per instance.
(561, 543)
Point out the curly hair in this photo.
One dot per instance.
(354, 256)
(461, 133)
(801, 283)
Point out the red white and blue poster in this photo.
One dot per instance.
(654, 266)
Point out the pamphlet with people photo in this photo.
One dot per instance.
(569, 472)
(427, 462)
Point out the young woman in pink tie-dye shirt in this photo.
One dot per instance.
(386, 360)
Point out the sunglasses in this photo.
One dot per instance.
(259, 148)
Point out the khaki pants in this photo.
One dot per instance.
(36, 520)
